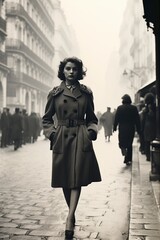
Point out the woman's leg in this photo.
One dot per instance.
(74, 198)
(67, 195)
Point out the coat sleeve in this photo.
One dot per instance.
(47, 120)
(91, 119)
(116, 120)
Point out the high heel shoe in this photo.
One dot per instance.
(69, 232)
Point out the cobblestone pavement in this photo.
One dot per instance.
(31, 210)
(145, 199)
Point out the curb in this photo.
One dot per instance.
(144, 215)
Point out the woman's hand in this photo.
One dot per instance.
(92, 135)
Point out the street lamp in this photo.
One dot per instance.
(152, 18)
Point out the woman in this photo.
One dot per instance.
(74, 161)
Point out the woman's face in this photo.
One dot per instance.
(70, 72)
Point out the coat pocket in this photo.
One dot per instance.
(57, 144)
(87, 143)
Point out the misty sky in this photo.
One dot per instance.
(97, 25)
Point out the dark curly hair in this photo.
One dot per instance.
(77, 62)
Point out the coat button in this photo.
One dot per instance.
(65, 111)
(65, 100)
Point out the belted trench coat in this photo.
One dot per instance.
(74, 162)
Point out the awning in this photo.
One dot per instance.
(146, 88)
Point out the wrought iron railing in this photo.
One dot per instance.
(3, 58)
(3, 24)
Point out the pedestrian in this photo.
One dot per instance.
(128, 121)
(4, 128)
(9, 134)
(74, 162)
(142, 141)
(25, 121)
(33, 127)
(17, 128)
(149, 122)
(107, 122)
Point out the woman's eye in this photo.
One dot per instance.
(73, 69)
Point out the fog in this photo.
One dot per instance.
(97, 25)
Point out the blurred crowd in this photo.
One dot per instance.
(19, 128)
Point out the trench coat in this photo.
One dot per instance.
(127, 119)
(17, 126)
(107, 122)
(74, 163)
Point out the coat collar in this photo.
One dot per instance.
(67, 92)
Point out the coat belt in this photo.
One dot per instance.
(71, 122)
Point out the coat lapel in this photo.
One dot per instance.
(67, 92)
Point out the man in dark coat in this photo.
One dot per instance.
(149, 122)
(4, 128)
(25, 126)
(17, 128)
(128, 120)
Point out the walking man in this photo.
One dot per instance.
(128, 121)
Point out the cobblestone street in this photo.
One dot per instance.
(31, 210)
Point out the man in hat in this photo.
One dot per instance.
(106, 121)
(127, 120)
(17, 128)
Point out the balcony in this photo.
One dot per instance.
(15, 9)
(16, 45)
(3, 58)
(24, 79)
(3, 26)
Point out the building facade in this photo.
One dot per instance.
(3, 58)
(30, 52)
(65, 41)
(137, 49)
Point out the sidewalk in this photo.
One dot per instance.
(145, 201)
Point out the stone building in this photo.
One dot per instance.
(30, 53)
(3, 58)
(137, 49)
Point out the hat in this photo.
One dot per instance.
(126, 98)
